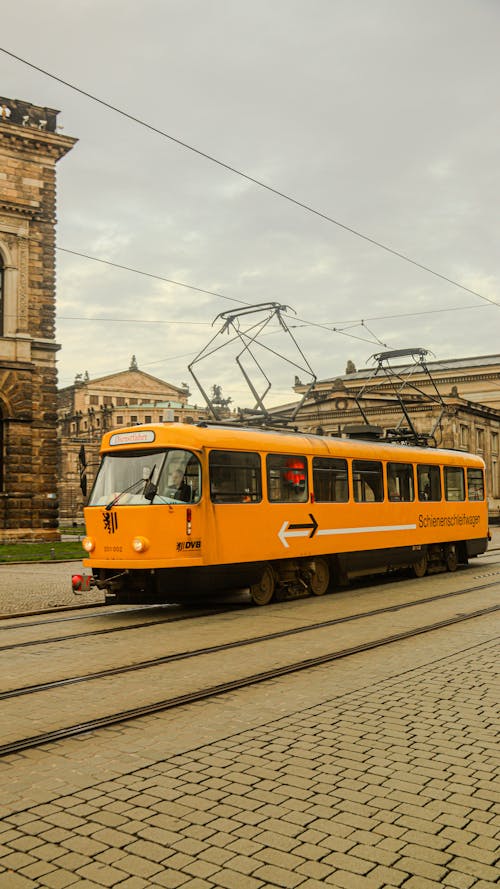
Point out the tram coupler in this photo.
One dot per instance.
(108, 582)
(82, 583)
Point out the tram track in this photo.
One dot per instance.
(100, 610)
(63, 613)
(262, 648)
(215, 612)
(105, 630)
(68, 613)
(227, 646)
(56, 609)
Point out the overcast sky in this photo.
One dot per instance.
(381, 114)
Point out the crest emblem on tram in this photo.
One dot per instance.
(110, 520)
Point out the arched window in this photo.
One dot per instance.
(2, 292)
(1, 449)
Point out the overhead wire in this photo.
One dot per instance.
(126, 268)
(304, 321)
(230, 168)
(327, 324)
(271, 189)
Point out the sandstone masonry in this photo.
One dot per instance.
(30, 147)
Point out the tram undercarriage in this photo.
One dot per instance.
(284, 578)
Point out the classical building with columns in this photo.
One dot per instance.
(30, 147)
(458, 400)
(91, 406)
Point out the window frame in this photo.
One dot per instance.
(470, 484)
(359, 468)
(2, 294)
(112, 479)
(337, 476)
(400, 474)
(431, 469)
(288, 477)
(224, 474)
(448, 471)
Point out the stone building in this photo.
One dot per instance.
(30, 146)
(469, 419)
(92, 406)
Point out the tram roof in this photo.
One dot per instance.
(202, 435)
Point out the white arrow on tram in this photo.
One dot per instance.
(309, 530)
(294, 530)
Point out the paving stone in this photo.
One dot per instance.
(101, 874)
(271, 875)
(475, 869)
(387, 876)
(60, 879)
(172, 879)
(247, 847)
(348, 862)
(135, 883)
(17, 860)
(231, 879)
(347, 880)
(422, 883)
(11, 880)
(421, 867)
(459, 881)
(486, 856)
(72, 861)
(336, 794)
(37, 870)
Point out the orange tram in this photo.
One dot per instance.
(190, 509)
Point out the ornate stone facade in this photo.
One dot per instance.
(30, 147)
(470, 389)
(91, 406)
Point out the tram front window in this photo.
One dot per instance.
(146, 477)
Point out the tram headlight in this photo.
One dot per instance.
(140, 544)
(88, 544)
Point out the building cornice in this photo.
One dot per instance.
(35, 140)
(18, 209)
(45, 345)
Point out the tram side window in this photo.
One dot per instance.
(429, 482)
(287, 478)
(454, 483)
(367, 481)
(475, 484)
(180, 480)
(400, 481)
(330, 480)
(235, 477)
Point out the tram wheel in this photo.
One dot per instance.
(420, 568)
(451, 557)
(320, 577)
(263, 591)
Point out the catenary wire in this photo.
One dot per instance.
(281, 194)
(304, 321)
(126, 268)
(326, 324)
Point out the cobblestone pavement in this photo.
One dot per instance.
(377, 772)
(29, 586)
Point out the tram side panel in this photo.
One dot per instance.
(208, 545)
(276, 511)
(363, 536)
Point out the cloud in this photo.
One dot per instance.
(379, 115)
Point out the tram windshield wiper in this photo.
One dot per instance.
(149, 490)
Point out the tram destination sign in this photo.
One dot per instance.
(145, 436)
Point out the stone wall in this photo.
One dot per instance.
(28, 374)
